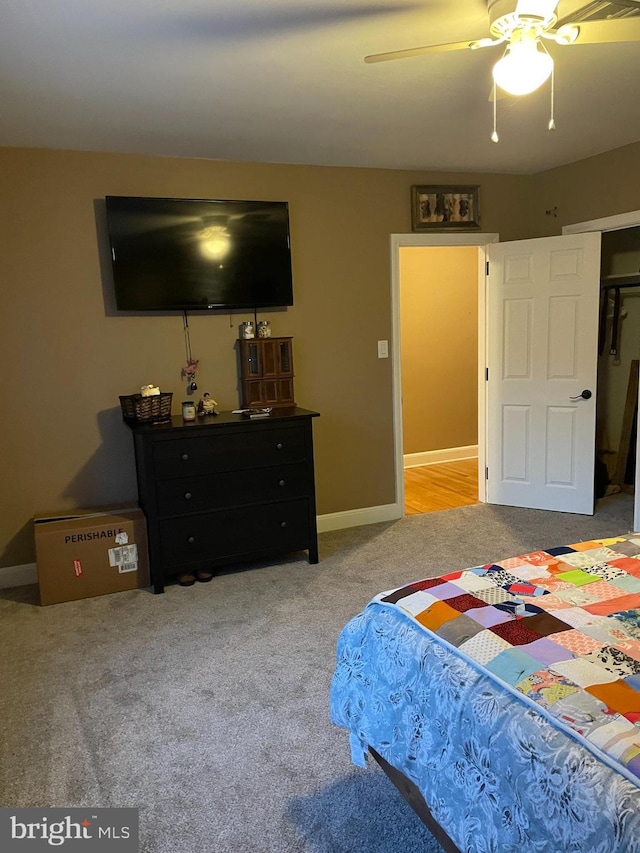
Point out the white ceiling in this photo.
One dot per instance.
(284, 81)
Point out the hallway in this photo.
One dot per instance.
(447, 485)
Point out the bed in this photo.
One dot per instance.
(504, 700)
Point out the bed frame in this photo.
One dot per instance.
(412, 795)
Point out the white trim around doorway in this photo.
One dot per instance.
(607, 223)
(399, 241)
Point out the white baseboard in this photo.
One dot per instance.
(358, 517)
(11, 576)
(18, 575)
(433, 457)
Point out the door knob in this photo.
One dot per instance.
(586, 395)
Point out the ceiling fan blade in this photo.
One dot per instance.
(609, 31)
(417, 51)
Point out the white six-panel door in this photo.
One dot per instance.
(542, 350)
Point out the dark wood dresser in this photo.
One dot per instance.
(225, 489)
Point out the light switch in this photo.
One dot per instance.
(383, 349)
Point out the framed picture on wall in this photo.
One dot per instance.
(444, 208)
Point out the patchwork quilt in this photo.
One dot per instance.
(509, 694)
(560, 627)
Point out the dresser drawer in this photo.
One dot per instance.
(233, 488)
(232, 451)
(282, 526)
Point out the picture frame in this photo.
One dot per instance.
(439, 207)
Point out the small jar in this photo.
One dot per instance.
(264, 329)
(188, 411)
(247, 330)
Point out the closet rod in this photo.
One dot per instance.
(624, 281)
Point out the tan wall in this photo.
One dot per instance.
(67, 355)
(439, 328)
(600, 186)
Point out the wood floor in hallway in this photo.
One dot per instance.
(447, 485)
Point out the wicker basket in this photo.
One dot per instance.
(139, 410)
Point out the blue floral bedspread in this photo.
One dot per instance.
(498, 773)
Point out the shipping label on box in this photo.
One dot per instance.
(125, 558)
(89, 552)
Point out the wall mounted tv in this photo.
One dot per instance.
(196, 254)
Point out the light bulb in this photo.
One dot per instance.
(215, 242)
(524, 67)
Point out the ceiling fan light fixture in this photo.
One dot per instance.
(524, 67)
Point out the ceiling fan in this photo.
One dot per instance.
(524, 26)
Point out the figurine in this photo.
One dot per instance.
(207, 405)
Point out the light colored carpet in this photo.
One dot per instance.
(207, 707)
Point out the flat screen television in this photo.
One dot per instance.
(197, 254)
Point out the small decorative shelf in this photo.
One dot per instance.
(266, 373)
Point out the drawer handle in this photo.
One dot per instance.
(191, 540)
(283, 524)
(187, 496)
(279, 445)
(184, 457)
(281, 482)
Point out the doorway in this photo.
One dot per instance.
(439, 360)
(606, 225)
(618, 361)
(399, 241)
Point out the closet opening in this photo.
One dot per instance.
(618, 362)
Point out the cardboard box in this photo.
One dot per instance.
(88, 552)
